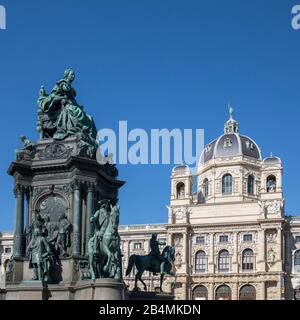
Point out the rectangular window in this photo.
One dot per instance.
(7, 250)
(297, 239)
(247, 238)
(200, 240)
(137, 245)
(223, 239)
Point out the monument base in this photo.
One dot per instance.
(100, 289)
(146, 295)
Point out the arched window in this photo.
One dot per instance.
(200, 262)
(223, 293)
(224, 261)
(248, 260)
(200, 293)
(205, 188)
(227, 184)
(247, 292)
(250, 185)
(271, 184)
(180, 190)
(297, 261)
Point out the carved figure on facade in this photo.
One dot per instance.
(273, 206)
(271, 256)
(178, 260)
(178, 240)
(272, 237)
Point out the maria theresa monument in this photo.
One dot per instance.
(66, 240)
(226, 235)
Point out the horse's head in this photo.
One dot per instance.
(169, 251)
(114, 215)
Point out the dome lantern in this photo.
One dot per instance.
(231, 126)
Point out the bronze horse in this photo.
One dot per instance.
(153, 264)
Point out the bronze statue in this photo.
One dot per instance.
(153, 262)
(154, 248)
(60, 115)
(104, 247)
(39, 251)
(64, 235)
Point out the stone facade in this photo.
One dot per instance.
(6, 250)
(232, 238)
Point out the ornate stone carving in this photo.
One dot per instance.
(84, 147)
(178, 260)
(19, 189)
(65, 189)
(28, 151)
(178, 240)
(271, 257)
(55, 151)
(54, 207)
(39, 190)
(272, 236)
(182, 212)
(273, 207)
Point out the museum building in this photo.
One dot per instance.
(233, 240)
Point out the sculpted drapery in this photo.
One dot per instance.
(60, 116)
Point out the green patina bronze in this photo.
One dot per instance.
(60, 115)
(39, 256)
(154, 262)
(104, 246)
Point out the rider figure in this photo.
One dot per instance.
(154, 250)
(100, 220)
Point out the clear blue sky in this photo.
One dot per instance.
(157, 64)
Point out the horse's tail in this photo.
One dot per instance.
(130, 264)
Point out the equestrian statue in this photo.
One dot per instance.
(104, 253)
(153, 262)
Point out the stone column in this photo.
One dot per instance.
(170, 238)
(235, 291)
(262, 291)
(77, 219)
(261, 261)
(19, 221)
(211, 258)
(235, 263)
(279, 236)
(89, 213)
(210, 289)
(184, 252)
(184, 293)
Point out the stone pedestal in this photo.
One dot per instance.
(154, 296)
(26, 290)
(101, 289)
(55, 178)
